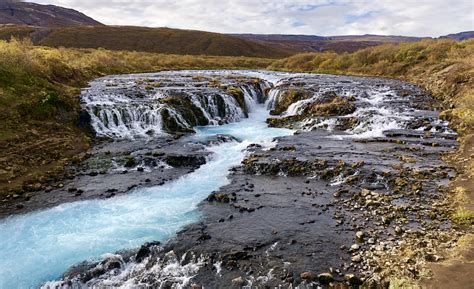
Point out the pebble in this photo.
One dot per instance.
(308, 276)
(239, 281)
(398, 230)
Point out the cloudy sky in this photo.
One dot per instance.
(317, 17)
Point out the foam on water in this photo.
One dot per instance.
(40, 246)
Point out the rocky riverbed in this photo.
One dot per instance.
(356, 195)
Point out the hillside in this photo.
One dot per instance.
(339, 44)
(25, 13)
(156, 40)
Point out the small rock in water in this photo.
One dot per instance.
(196, 286)
(360, 235)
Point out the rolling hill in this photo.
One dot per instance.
(131, 38)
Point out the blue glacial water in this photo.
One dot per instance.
(41, 246)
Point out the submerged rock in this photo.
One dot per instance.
(185, 160)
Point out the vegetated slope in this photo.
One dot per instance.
(24, 13)
(39, 103)
(337, 44)
(157, 40)
(446, 68)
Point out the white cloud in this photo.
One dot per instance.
(318, 17)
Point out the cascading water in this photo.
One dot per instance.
(40, 246)
(134, 106)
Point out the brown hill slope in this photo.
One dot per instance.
(157, 40)
(24, 13)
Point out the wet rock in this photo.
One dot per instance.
(308, 276)
(185, 160)
(222, 198)
(218, 139)
(353, 279)
(239, 281)
(145, 251)
(111, 263)
(325, 278)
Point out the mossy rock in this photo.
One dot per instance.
(336, 107)
(130, 162)
(238, 95)
(286, 122)
(221, 198)
(288, 98)
(183, 106)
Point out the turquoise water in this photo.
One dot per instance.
(41, 246)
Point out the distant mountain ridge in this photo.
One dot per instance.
(460, 36)
(338, 44)
(26, 13)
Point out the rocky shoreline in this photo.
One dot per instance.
(111, 169)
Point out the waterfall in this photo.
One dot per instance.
(141, 106)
